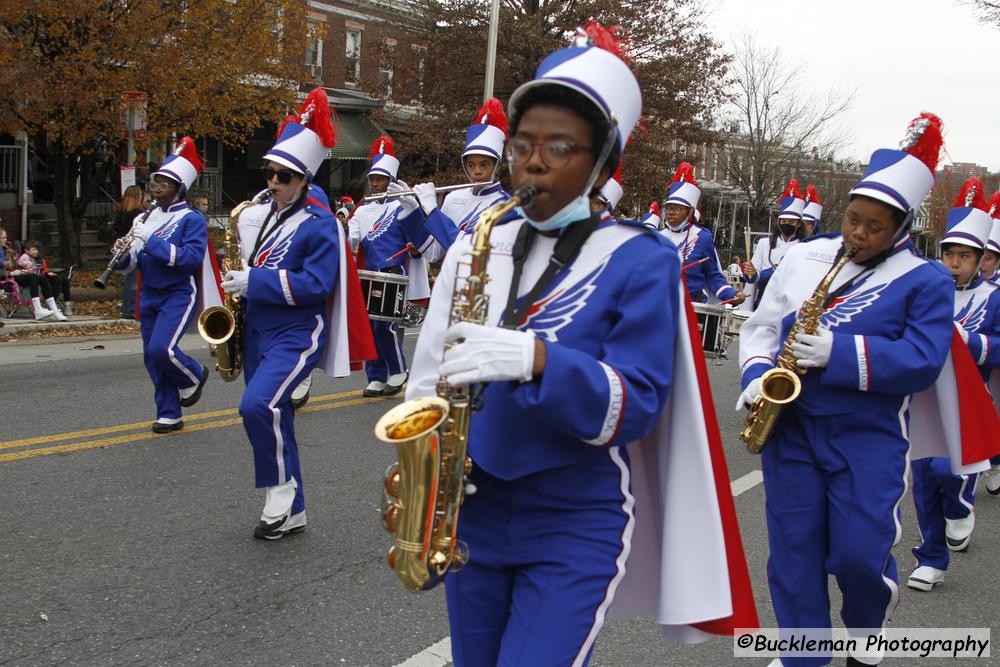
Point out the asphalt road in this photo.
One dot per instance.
(120, 547)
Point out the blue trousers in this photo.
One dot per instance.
(388, 345)
(833, 487)
(128, 295)
(544, 564)
(164, 316)
(939, 495)
(275, 361)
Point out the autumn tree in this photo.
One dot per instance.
(211, 68)
(680, 68)
(781, 125)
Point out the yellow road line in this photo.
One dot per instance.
(104, 430)
(107, 442)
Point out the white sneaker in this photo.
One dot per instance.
(374, 388)
(958, 532)
(50, 303)
(395, 384)
(991, 478)
(300, 395)
(41, 312)
(925, 578)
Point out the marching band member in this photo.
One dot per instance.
(699, 261)
(553, 517)
(812, 212)
(835, 466)
(990, 269)
(945, 502)
(611, 193)
(380, 240)
(769, 251)
(653, 219)
(178, 281)
(484, 142)
(292, 294)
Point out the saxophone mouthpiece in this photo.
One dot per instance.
(526, 194)
(851, 250)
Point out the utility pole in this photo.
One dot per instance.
(491, 49)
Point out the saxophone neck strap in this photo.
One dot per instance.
(265, 233)
(566, 250)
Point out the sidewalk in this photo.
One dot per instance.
(22, 325)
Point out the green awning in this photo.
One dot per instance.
(355, 135)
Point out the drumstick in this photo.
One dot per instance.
(722, 303)
(407, 248)
(688, 266)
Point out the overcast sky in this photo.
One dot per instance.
(903, 56)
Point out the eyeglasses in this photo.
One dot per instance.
(284, 175)
(555, 153)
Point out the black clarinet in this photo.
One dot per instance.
(101, 281)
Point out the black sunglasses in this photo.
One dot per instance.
(284, 175)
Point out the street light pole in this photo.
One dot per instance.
(491, 49)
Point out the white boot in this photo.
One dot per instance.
(41, 312)
(54, 307)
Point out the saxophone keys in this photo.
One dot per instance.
(392, 480)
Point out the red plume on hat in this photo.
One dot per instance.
(315, 114)
(792, 189)
(654, 208)
(684, 173)
(491, 113)
(924, 140)
(187, 150)
(811, 195)
(993, 208)
(610, 39)
(618, 173)
(382, 145)
(971, 195)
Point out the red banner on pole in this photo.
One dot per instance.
(134, 114)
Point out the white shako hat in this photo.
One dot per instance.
(968, 222)
(994, 210)
(813, 209)
(383, 157)
(791, 205)
(593, 66)
(902, 177)
(684, 189)
(488, 133)
(611, 191)
(184, 165)
(304, 140)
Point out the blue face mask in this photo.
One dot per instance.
(578, 209)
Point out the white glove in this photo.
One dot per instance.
(236, 282)
(409, 203)
(487, 354)
(427, 196)
(963, 332)
(749, 395)
(813, 351)
(141, 232)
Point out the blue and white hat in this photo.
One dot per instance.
(993, 243)
(383, 157)
(183, 166)
(684, 189)
(612, 191)
(902, 178)
(968, 222)
(488, 133)
(593, 67)
(791, 205)
(305, 140)
(813, 210)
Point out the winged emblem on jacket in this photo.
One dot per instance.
(383, 222)
(845, 307)
(167, 230)
(547, 316)
(972, 315)
(271, 257)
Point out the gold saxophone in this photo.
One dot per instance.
(781, 385)
(222, 326)
(424, 490)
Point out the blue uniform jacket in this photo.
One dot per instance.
(175, 248)
(693, 243)
(977, 310)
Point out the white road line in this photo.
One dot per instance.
(439, 654)
(435, 655)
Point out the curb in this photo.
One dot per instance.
(13, 329)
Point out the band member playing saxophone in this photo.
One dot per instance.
(292, 293)
(550, 515)
(168, 246)
(835, 465)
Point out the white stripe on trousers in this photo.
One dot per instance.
(179, 331)
(627, 506)
(276, 413)
(892, 585)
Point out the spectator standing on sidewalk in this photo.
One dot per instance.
(131, 206)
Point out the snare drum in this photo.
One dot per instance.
(385, 295)
(736, 320)
(712, 322)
